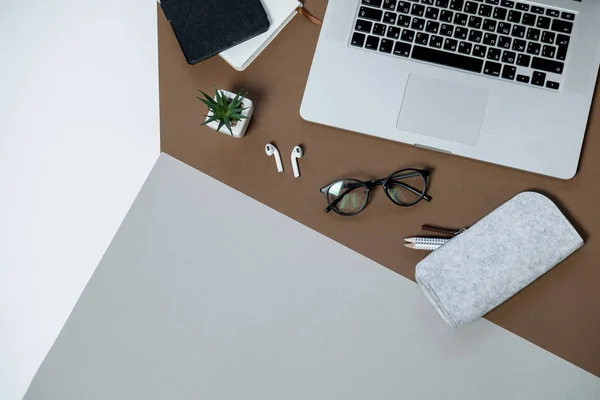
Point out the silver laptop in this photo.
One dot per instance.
(503, 81)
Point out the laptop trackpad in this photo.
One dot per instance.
(442, 109)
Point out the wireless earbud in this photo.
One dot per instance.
(296, 154)
(270, 149)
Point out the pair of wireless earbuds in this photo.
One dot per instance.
(297, 153)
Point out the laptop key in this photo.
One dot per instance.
(562, 40)
(523, 78)
(504, 42)
(407, 35)
(534, 48)
(543, 64)
(450, 44)
(432, 27)
(494, 2)
(393, 32)
(471, 7)
(518, 31)
(370, 13)
(523, 60)
(390, 18)
(508, 57)
(465, 48)
(422, 39)
(403, 7)
(504, 28)
(485, 10)
(372, 43)
(358, 39)
(559, 25)
(490, 39)
(446, 30)
(549, 51)
(548, 37)
(507, 3)
(479, 50)
(500, 13)
(461, 33)
(453, 60)
(537, 10)
(432, 13)
(533, 34)
(446, 16)
(475, 36)
(402, 49)
(492, 68)
(404, 20)
(552, 85)
(363, 26)
(519, 45)
(528, 19)
(509, 72)
(386, 45)
(417, 24)
(489, 25)
(494, 54)
(561, 53)
(436, 41)
(442, 3)
(456, 5)
(475, 22)
(389, 4)
(544, 22)
(553, 13)
(417, 10)
(379, 29)
(522, 7)
(514, 16)
(461, 19)
(538, 78)
(568, 16)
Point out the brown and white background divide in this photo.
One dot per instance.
(559, 312)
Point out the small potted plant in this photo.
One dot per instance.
(228, 113)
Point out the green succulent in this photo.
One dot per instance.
(224, 110)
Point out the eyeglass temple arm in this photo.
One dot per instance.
(404, 185)
(411, 189)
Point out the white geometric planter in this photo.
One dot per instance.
(239, 129)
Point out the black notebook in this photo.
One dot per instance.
(207, 27)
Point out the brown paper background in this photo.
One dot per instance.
(559, 312)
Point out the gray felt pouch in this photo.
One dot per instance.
(494, 259)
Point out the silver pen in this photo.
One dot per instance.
(425, 243)
(431, 243)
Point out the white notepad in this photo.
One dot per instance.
(280, 12)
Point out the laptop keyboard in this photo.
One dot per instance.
(504, 39)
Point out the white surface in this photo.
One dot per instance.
(527, 128)
(206, 293)
(78, 136)
(279, 12)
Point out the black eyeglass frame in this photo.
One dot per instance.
(367, 185)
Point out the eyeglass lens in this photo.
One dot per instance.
(347, 196)
(406, 187)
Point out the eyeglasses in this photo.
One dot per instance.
(349, 196)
